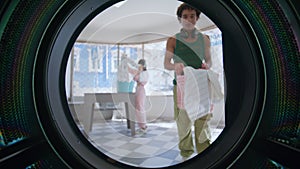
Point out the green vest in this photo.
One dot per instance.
(190, 54)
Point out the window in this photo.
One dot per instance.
(76, 59)
(114, 59)
(95, 57)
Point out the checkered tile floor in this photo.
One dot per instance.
(157, 148)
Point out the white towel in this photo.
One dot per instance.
(144, 76)
(215, 89)
(123, 73)
(196, 93)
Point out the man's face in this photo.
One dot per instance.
(188, 19)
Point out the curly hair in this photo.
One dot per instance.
(185, 6)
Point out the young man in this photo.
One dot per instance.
(189, 47)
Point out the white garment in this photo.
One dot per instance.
(123, 73)
(144, 76)
(215, 89)
(200, 87)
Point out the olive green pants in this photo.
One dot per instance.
(184, 127)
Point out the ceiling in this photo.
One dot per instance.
(137, 21)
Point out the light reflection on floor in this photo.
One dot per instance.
(157, 148)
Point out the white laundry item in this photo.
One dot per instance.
(215, 89)
(196, 93)
(124, 78)
(144, 76)
(123, 73)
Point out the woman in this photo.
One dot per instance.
(141, 76)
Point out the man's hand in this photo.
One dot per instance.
(205, 66)
(179, 68)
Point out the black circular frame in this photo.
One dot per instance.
(261, 69)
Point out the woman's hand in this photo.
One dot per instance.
(179, 68)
